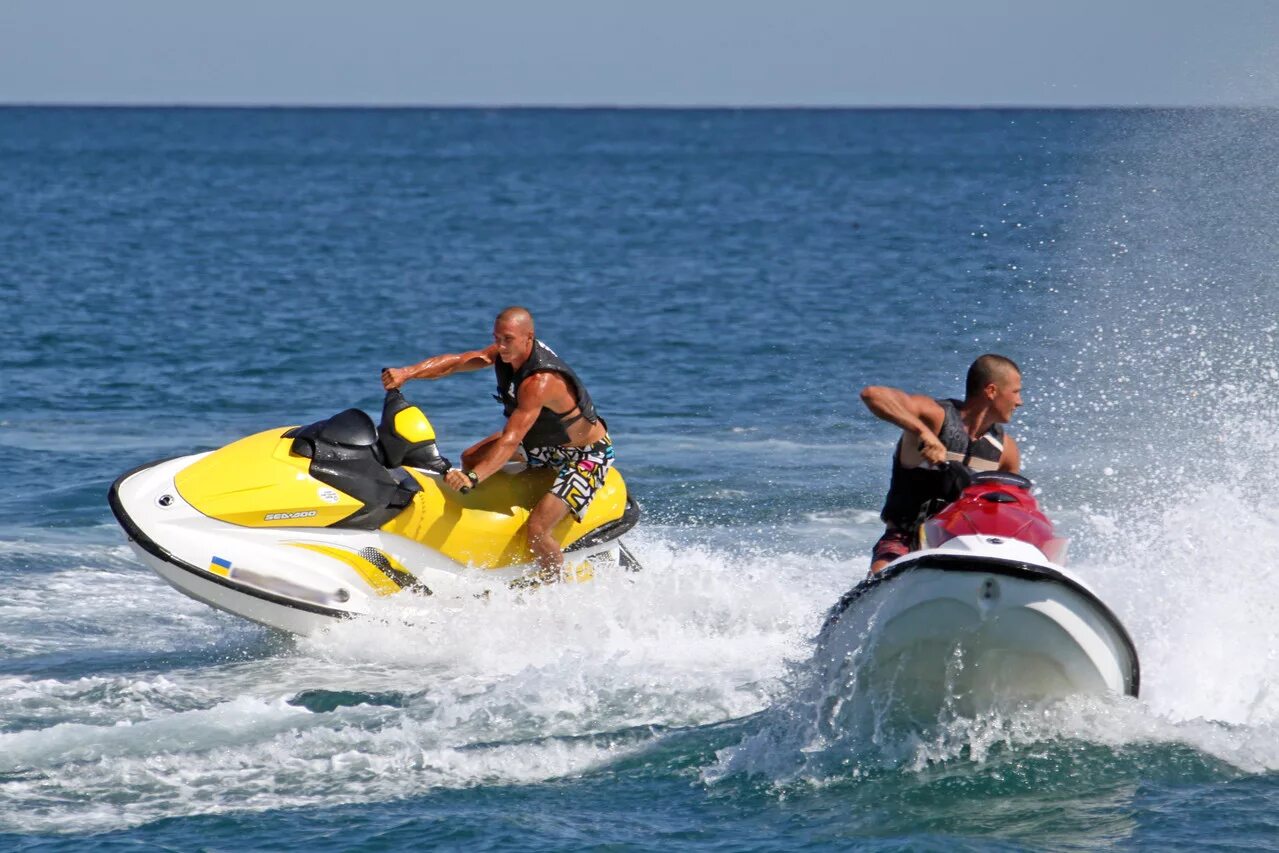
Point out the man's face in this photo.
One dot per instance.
(513, 341)
(1006, 396)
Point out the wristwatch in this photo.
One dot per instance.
(473, 477)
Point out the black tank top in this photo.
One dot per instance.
(549, 430)
(913, 486)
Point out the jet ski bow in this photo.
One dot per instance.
(981, 615)
(295, 527)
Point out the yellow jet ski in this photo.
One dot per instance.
(297, 526)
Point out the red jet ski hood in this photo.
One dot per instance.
(996, 504)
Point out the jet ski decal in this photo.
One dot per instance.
(374, 567)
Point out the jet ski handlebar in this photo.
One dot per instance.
(1007, 478)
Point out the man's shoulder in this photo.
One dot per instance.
(939, 405)
(544, 379)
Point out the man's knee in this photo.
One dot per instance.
(542, 520)
(546, 551)
(893, 544)
(536, 530)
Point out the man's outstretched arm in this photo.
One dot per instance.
(439, 366)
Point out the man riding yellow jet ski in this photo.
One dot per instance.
(295, 527)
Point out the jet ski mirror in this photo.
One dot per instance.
(407, 437)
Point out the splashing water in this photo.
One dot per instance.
(513, 688)
(1164, 424)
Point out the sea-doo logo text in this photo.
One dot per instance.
(284, 516)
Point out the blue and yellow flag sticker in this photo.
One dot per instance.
(220, 566)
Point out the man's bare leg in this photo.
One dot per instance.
(893, 544)
(546, 551)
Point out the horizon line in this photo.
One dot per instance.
(585, 107)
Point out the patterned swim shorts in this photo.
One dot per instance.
(893, 544)
(581, 471)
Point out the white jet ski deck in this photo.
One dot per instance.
(295, 527)
(980, 616)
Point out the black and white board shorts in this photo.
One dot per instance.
(581, 471)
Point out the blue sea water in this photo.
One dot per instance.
(725, 282)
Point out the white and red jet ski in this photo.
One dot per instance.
(983, 614)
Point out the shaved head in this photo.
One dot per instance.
(513, 335)
(517, 316)
(989, 369)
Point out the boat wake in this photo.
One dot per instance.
(509, 689)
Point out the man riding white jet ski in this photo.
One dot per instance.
(969, 432)
(294, 527)
(967, 605)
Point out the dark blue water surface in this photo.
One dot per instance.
(725, 282)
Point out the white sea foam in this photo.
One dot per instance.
(95, 700)
(249, 755)
(98, 596)
(690, 624)
(517, 687)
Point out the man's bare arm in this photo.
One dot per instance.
(439, 366)
(913, 413)
(1010, 459)
(535, 392)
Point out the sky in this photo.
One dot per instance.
(641, 53)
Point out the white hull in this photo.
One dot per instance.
(971, 626)
(264, 576)
(292, 616)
